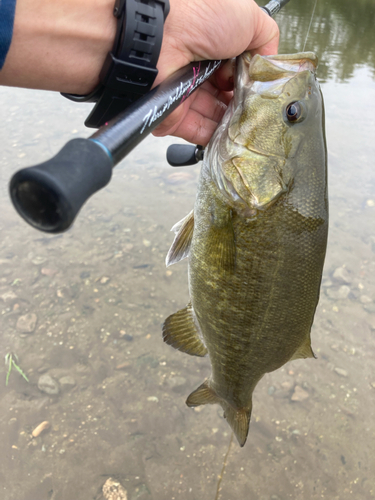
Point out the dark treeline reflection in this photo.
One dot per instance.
(342, 34)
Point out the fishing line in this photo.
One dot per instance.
(308, 31)
(223, 468)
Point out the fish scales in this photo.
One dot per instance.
(256, 239)
(275, 266)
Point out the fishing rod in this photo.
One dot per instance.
(49, 196)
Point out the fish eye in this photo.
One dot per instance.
(294, 111)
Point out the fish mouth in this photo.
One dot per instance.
(295, 63)
(267, 76)
(270, 69)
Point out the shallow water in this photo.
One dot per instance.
(100, 292)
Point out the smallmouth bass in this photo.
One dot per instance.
(256, 239)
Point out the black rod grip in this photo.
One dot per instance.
(182, 155)
(49, 195)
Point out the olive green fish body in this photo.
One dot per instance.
(256, 240)
(256, 318)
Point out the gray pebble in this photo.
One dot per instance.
(38, 260)
(48, 385)
(299, 394)
(43, 368)
(271, 390)
(365, 299)
(338, 293)
(8, 296)
(354, 294)
(341, 372)
(27, 323)
(113, 490)
(327, 283)
(341, 274)
(67, 382)
(370, 308)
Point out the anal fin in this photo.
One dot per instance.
(204, 395)
(180, 331)
(304, 351)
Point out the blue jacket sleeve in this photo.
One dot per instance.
(7, 9)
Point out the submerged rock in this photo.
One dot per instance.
(341, 274)
(46, 271)
(48, 385)
(67, 382)
(338, 293)
(369, 308)
(365, 299)
(341, 372)
(40, 428)
(27, 323)
(299, 394)
(113, 490)
(8, 296)
(38, 260)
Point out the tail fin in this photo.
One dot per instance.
(238, 419)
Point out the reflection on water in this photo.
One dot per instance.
(342, 34)
(83, 310)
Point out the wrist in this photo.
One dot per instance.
(129, 70)
(174, 53)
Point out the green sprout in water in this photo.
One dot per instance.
(9, 360)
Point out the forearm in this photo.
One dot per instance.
(59, 45)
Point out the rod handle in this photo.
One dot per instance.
(182, 155)
(49, 195)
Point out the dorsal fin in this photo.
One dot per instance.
(180, 331)
(181, 244)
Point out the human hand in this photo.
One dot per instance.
(210, 29)
(62, 46)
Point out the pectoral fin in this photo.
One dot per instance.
(180, 331)
(304, 351)
(181, 245)
(238, 419)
